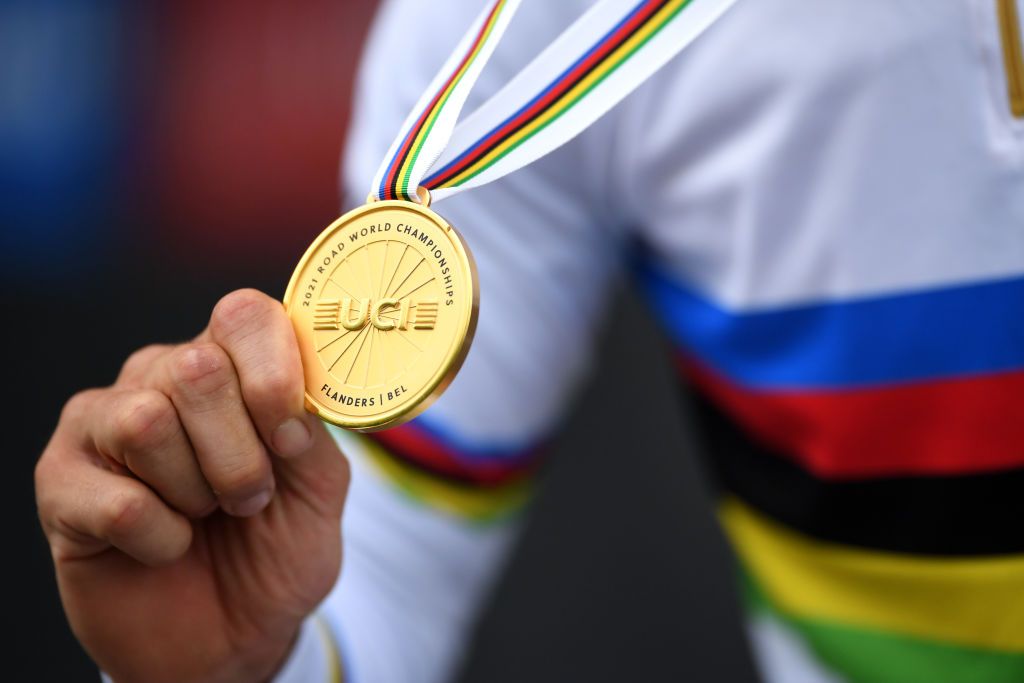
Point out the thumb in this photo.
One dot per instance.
(320, 475)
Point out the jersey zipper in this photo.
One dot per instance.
(1013, 54)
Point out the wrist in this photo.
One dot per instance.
(258, 661)
(314, 656)
(262, 660)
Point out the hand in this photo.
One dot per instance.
(193, 508)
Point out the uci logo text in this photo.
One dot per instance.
(384, 314)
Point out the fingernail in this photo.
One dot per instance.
(250, 506)
(291, 438)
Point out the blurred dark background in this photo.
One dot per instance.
(154, 156)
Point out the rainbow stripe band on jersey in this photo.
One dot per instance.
(884, 616)
(462, 497)
(568, 90)
(600, 59)
(869, 488)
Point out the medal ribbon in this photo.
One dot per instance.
(605, 55)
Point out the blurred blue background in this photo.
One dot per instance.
(61, 109)
(167, 128)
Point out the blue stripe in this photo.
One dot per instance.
(542, 93)
(383, 182)
(940, 333)
(382, 190)
(474, 451)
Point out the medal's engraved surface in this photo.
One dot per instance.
(384, 307)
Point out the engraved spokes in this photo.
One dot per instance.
(384, 295)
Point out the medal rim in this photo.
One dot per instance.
(454, 357)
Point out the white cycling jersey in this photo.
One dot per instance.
(825, 204)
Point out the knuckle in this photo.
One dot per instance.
(238, 311)
(122, 514)
(243, 475)
(274, 385)
(144, 419)
(78, 405)
(201, 505)
(140, 360)
(42, 478)
(201, 368)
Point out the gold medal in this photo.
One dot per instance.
(384, 305)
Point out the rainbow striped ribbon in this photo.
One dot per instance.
(606, 54)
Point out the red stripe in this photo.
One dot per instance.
(400, 156)
(543, 103)
(408, 442)
(948, 427)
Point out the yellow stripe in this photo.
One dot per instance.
(1013, 54)
(551, 113)
(429, 122)
(334, 663)
(478, 504)
(973, 602)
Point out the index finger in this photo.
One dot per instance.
(258, 336)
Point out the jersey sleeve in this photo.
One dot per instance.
(435, 505)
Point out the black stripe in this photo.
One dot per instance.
(433, 103)
(957, 515)
(405, 155)
(480, 153)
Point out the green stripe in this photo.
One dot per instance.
(862, 655)
(571, 103)
(432, 119)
